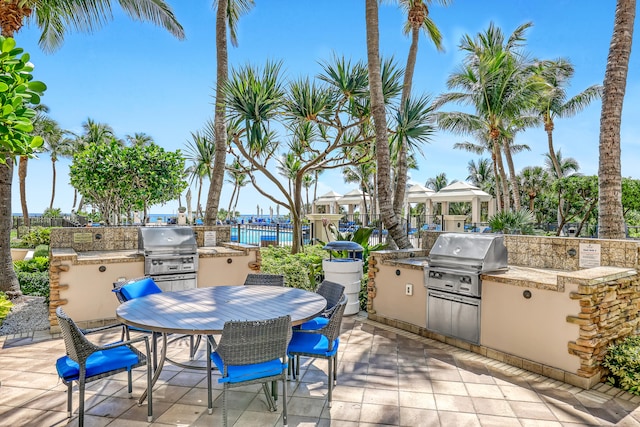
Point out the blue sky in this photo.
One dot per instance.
(138, 78)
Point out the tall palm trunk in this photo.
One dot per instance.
(217, 175)
(385, 197)
(498, 178)
(401, 167)
(548, 127)
(9, 285)
(610, 216)
(233, 195)
(53, 184)
(22, 176)
(512, 174)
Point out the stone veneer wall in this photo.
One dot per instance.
(609, 312)
(118, 238)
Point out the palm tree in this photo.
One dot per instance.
(139, 138)
(57, 144)
(438, 182)
(389, 218)
(533, 181)
(227, 14)
(417, 19)
(553, 102)
(238, 178)
(307, 182)
(55, 17)
(480, 175)
(566, 165)
(201, 152)
(610, 216)
(496, 80)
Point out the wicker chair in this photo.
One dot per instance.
(252, 352)
(86, 362)
(136, 288)
(264, 279)
(332, 292)
(322, 343)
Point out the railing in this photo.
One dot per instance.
(268, 234)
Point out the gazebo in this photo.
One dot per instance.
(352, 199)
(464, 192)
(330, 200)
(419, 194)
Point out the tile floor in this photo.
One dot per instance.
(385, 377)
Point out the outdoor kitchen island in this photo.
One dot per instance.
(86, 262)
(541, 318)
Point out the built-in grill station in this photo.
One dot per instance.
(454, 287)
(170, 256)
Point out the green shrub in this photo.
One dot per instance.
(623, 362)
(5, 307)
(510, 222)
(41, 251)
(299, 270)
(35, 284)
(37, 236)
(52, 213)
(36, 264)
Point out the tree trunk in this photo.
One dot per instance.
(548, 127)
(389, 218)
(506, 200)
(8, 279)
(217, 175)
(496, 176)
(22, 176)
(512, 174)
(53, 185)
(401, 167)
(610, 218)
(297, 221)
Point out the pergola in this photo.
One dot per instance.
(330, 200)
(464, 192)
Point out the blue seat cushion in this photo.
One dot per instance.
(139, 289)
(240, 373)
(98, 363)
(312, 343)
(315, 324)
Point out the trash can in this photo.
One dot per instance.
(345, 271)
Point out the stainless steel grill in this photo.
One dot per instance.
(170, 256)
(454, 287)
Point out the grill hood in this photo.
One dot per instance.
(167, 240)
(481, 252)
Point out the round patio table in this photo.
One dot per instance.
(203, 311)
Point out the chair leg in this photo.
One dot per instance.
(209, 380)
(69, 398)
(284, 402)
(297, 367)
(274, 390)
(224, 404)
(270, 402)
(81, 399)
(330, 381)
(129, 383)
(335, 369)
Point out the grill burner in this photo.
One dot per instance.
(170, 256)
(452, 278)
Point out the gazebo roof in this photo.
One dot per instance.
(460, 192)
(328, 198)
(353, 197)
(418, 193)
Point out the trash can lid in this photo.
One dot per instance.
(343, 245)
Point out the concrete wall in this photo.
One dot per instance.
(534, 329)
(391, 298)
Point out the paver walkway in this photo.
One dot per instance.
(385, 377)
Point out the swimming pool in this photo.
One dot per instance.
(256, 235)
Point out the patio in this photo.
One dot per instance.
(385, 377)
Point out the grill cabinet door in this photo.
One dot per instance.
(465, 319)
(439, 306)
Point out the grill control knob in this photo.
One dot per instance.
(159, 262)
(154, 262)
